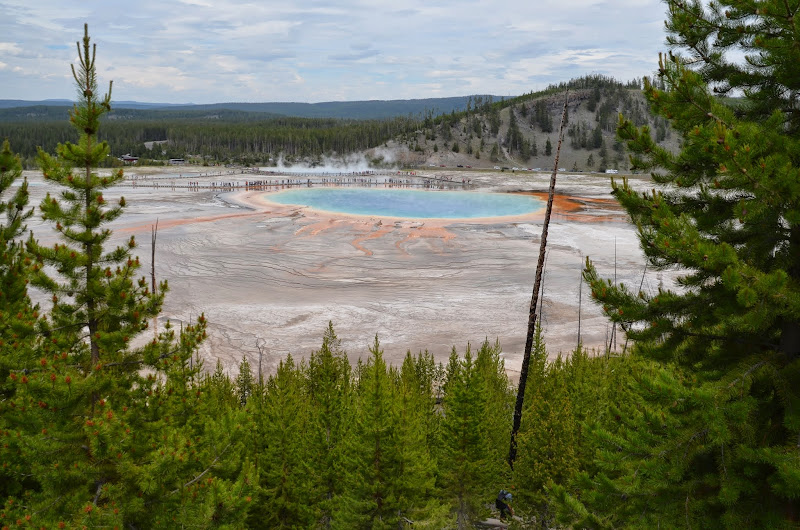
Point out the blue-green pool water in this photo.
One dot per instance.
(416, 204)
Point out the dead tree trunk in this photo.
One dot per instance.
(580, 296)
(523, 374)
(153, 235)
(261, 344)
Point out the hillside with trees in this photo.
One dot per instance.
(696, 425)
(228, 138)
(516, 132)
(522, 131)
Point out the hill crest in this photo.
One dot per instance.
(358, 110)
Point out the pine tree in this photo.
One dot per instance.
(498, 402)
(720, 412)
(603, 164)
(374, 499)
(548, 454)
(468, 470)
(416, 437)
(285, 499)
(71, 386)
(116, 422)
(244, 381)
(545, 447)
(18, 318)
(220, 388)
(513, 135)
(429, 378)
(593, 384)
(329, 389)
(494, 156)
(198, 468)
(15, 214)
(613, 423)
(597, 137)
(395, 478)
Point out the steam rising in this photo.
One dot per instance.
(375, 159)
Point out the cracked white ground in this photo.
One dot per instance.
(264, 271)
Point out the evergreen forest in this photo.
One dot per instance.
(107, 423)
(487, 131)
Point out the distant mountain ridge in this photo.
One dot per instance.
(21, 103)
(360, 110)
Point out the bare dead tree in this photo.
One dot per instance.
(153, 236)
(261, 346)
(541, 296)
(580, 296)
(612, 342)
(641, 284)
(523, 375)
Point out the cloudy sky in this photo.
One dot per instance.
(210, 51)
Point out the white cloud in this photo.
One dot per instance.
(297, 79)
(10, 47)
(262, 29)
(168, 77)
(317, 50)
(227, 63)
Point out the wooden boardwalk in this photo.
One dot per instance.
(281, 180)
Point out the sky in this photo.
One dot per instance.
(215, 51)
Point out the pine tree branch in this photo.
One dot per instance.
(701, 54)
(687, 94)
(142, 361)
(687, 512)
(100, 484)
(748, 372)
(106, 365)
(198, 477)
(694, 437)
(721, 338)
(724, 467)
(44, 508)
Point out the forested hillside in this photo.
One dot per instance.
(231, 137)
(514, 132)
(523, 131)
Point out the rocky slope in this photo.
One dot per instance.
(515, 133)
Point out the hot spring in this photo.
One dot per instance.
(415, 204)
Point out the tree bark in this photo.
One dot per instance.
(523, 375)
(153, 236)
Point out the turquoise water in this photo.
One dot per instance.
(416, 204)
